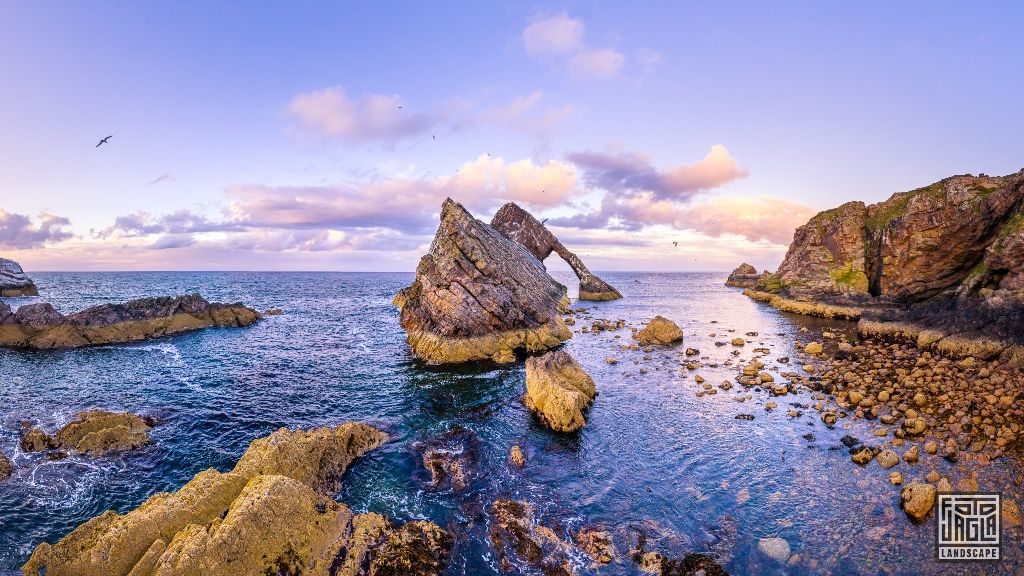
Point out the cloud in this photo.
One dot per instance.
(162, 178)
(179, 222)
(555, 35)
(17, 232)
(648, 59)
(330, 113)
(522, 114)
(632, 172)
(600, 64)
(171, 241)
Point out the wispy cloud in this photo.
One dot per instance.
(19, 232)
(599, 64)
(560, 38)
(331, 113)
(161, 178)
(554, 35)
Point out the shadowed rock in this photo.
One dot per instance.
(479, 295)
(94, 432)
(558, 390)
(745, 276)
(521, 226)
(273, 514)
(13, 281)
(40, 326)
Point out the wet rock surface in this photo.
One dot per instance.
(14, 281)
(558, 391)
(93, 432)
(6, 467)
(521, 226)
(272, 514)
(479, 295)
(40, 326)
(450, 459)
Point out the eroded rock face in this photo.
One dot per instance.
(744, 276)
(479, 295)
(40, 326)
(13, 281)
(273, 514)
(93, 432)
(827, 255)
(660, 331)
(558, 391)
(521, 226)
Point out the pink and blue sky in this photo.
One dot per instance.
(324, 136)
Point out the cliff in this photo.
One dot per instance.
(479, 295)
(521, 226)
(13, 281)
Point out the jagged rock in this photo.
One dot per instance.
(558, 390)
(6, 468)
(479, 295)
(745, 276)
(450, 458)
(597, 542)
(521, 226)
(659, 330)
(517, 538)
(272, 514)
(40, 326)
(93, 432)
(13, 281)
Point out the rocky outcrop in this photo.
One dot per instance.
(659, 331)
(744, 276)
(947, 258)
(93, 432)
(272, 514)
(479, 295)
(558, 391)
(40, 326)
(13, 281)
(519, 539)
(521, 226)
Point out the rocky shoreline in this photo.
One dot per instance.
(41, 327)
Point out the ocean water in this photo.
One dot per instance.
(653, 458)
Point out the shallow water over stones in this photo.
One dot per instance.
(655, 462)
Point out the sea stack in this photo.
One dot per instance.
(13, 281)
(479, 295)
(744, 276)
(40, 326)
(521, 226)
(947, 259)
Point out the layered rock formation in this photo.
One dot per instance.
(40, 326)
(659, 330)
(521, 226)
(744, 276)
(273, 514)
(13, 281)
(93, 432)
(558, 391)
(947, 258)
(479, 295)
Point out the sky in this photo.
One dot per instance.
(326, 135)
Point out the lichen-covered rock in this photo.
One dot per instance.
(521, 226)
(6, 467)
(659, 330)
(13, 281)
(558, 391)
(273, 514)
(479, 295)
(744, 276)
(40, 326)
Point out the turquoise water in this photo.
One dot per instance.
(653, 458)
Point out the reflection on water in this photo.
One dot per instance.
(653, 458)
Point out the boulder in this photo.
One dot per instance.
(558, 391)
(6, 468)
(516, 456)
(521, 226)
(745, 276)
(272, 514)
(479, 295)
(659, 330)
(918, 499)
(13, 281)
(777, 549)
(40, 326)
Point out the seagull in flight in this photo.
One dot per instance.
(104, 141)
(676, 244)
(544, 220)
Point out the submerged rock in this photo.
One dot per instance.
(558, 390)
(272, 514)
(93, 432)
(659, 330)
(450, 458)
(597, 542)
(775, 548)
(40, 326)
(517, 538)
(13, 281)
(479, 295)
(744, 276)
(521, 226)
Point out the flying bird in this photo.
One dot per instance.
(544, 220)
(399, 107)
(676, 244)
(104, 141)
(434, 137)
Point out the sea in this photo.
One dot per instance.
(654, 458)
